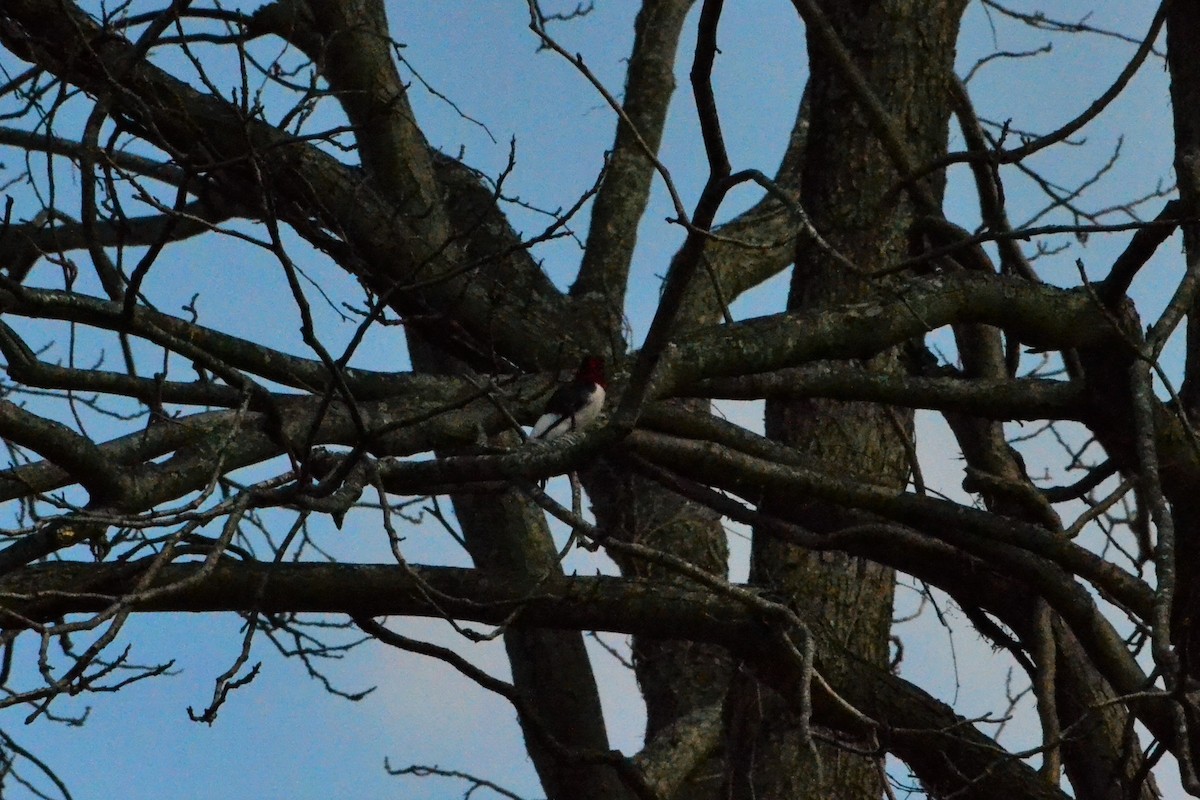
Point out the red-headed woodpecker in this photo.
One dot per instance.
(573, 405)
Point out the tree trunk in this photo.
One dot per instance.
(677, 678)
(1183, 60)
(850, 191)
(509, 539)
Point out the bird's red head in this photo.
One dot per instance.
(591, 370)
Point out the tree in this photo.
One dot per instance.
(201, 472)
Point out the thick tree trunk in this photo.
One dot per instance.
(678, 678)
(1183, 60)
(906, 51)
(509, 539)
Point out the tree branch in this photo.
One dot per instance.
(1025, 398)
(944, 749)
(625, 191)
(411, 260)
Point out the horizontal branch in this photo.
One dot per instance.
(1027, 398)
(718, 353)
(25, 240)
(912, 718)
(55, 145)
(1044, 316)
(373, 590)
(228, 440)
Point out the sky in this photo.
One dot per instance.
(283, 734)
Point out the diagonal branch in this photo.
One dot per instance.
(413, 261)
(1145, 48)
(168, 331)
(625, 191)
(760, 465)
(75, 454)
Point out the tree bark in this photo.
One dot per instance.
(726, 709)
(509, 540)
(850, 191)
(1183, 60)
(678, 678)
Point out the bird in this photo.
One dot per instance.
(573, 405)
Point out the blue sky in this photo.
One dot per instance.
(283, 735)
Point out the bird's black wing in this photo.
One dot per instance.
(567, 399)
